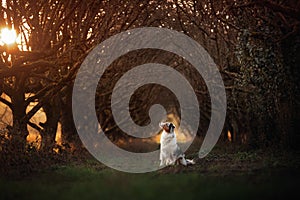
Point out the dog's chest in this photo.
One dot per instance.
(168, 139)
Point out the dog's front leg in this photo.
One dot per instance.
(162, 159)
(161, 163)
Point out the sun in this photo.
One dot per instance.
(8, 36)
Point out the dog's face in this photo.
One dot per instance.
(167, 126)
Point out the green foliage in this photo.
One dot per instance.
(262, 72)
(85, 183)
(246, 156)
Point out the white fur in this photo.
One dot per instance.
(169, 149)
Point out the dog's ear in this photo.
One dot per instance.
(165, 126)
(161, 124)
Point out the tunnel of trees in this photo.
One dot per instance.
(255, 44)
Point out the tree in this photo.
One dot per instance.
(247, 40)
(40, 67)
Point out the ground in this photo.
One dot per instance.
(224, 174)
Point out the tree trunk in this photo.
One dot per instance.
(48, 134)
(68, 129)
(18, 131)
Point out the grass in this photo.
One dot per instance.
(223, 174)
(83, 182)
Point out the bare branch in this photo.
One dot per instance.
(33, 125)
(45, 65)
(9, 104)
(288, 11)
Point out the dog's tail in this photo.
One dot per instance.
(184, 161)
(190, 162)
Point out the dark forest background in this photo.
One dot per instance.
(255, 44)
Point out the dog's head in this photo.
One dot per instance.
(167, 126)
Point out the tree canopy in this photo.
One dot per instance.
(255, 44)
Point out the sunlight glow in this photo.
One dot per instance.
(8, 36)
(229, 136)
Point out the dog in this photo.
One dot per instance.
(170, 153)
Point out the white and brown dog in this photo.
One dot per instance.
(170, 153)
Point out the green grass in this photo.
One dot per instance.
(223, 174)
(84, 182)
